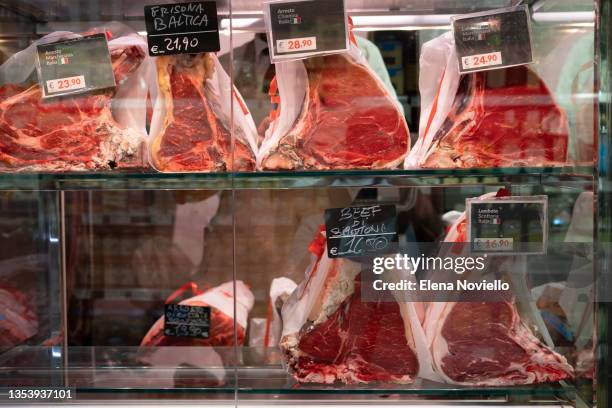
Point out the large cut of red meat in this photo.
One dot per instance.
(488, 343)
(18, 322)
(220, 299)
(75, 133)
(331, 334)
(195, 135)
(348, 121)
(499, 118)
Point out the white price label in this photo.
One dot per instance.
(493, 244)
(481, 60)
(296, 44)
(66, 84)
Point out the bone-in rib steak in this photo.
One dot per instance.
(330, 334)
(195, 135)
(499, 118)
(487, 343)
(76, 133)
(348, 121)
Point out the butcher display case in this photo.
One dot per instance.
(379, 224)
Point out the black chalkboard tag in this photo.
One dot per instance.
(509, 225)
(493, 39)
(76, 66)
(305, 28)
(182, 28)
(186, 321)
(360, 231)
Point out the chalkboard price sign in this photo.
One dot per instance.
(360, 231)
(183, 28)
(186, 321)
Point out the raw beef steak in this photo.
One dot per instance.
(330, 334)
(488, 343)
(73, 133)
(499, 118)
(18, 322)
(221, 301)
(347, 120)
(195, 134)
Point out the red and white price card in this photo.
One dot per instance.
(481, 60)
(296, 44)
(66, 84)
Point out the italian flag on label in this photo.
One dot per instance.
(64, 61)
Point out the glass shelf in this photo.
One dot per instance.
(570, 175)
(104, 370)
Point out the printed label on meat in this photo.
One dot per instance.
(186, 321)
(513, 225)
(185, 28)
(360, 231)
(493, 39)
(74, 66)
(298, 29)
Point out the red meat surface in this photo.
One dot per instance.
(365, 338)
(351, 341)
(487, 342)
(76, 133)
(500, 118)
(194, 136)
(348, 121)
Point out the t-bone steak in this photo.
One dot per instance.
(221, 301)
(331, 335)
(64, 134)
(500, 118)
(348, 121)
(196, 133)
(488, 343)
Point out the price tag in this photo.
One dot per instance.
(517, 225)
(74, 66)
(481, 60)
(493, 39)
(66, 84)
(184, 28)
(498, 244)
(360, 231)
(299, 29)
(186, 321)
(298, 44)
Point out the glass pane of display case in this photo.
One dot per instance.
(101, 322)
(31, 282)
(317, 331)
(364, 226)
